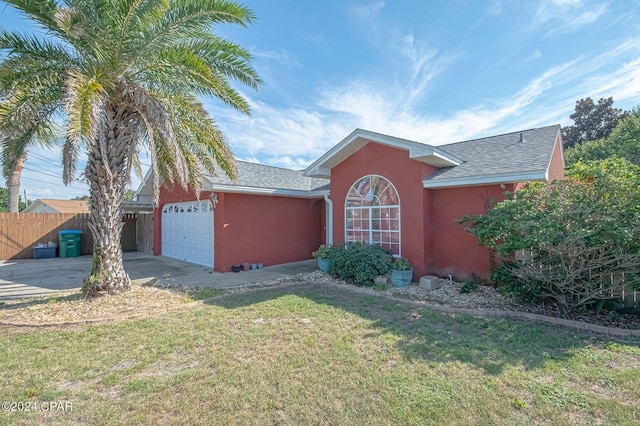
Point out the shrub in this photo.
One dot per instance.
(323, 252)
(574, 241)
(401, 264)
(360, 263)
(472, 285)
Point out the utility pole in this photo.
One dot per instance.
(26, 203)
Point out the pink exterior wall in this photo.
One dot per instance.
(406, 175)
(455, 250)
(556, 165)
(255, 228)
(431, 238)
(272, 230)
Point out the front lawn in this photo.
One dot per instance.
(312, 354)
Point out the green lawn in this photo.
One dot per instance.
(310, 354)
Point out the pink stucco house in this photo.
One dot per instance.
(403, 195)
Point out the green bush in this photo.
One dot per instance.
(323, 252)
(574, 241)
(360, 263)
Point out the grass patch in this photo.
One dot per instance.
(203, 293)
(321, 355)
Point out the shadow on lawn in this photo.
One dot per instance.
(489, 343)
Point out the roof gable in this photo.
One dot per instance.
(359, 138)
(61, 206)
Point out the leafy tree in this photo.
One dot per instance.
(576, 240)
(592, 121)
(623, 142)
(4, 201)
(126, 74)
(130, 195)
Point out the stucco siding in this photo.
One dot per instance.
(255, 228)
(454, 250)
(406, 175)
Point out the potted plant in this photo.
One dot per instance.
(401, 272)
(323, 257)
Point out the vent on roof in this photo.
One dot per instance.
(521, 138)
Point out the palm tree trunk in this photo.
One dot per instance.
(13, 185)
(107, 172)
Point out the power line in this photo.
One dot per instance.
(42, 158)
(49, 174)
(55, 184)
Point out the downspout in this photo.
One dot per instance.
(329, 219)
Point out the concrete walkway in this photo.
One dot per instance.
(26, 278)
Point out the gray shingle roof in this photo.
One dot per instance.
(260, 176)
(501, 154)
(495, 155)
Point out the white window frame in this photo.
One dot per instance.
(370, 210)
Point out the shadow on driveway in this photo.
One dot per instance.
(24, 278)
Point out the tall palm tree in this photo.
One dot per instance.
(126, 75)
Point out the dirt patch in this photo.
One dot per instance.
(69, 307)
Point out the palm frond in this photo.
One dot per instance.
(41, 11)
(186, 18)
(84, 103)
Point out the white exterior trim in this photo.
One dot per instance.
(486, 180)
(370, 229)
(267, 191)
(359, 138)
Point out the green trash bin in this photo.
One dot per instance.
(70, 242)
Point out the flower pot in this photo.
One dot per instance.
(246, 266)
(236, 268)
(324, 264)
(401, 278)
(254, 266)
(260, 265)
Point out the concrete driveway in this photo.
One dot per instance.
(25, 278)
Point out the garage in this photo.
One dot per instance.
(187, 232)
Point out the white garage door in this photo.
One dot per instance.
(187, 232)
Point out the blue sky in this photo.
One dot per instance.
(431, 71)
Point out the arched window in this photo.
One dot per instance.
(372, 213)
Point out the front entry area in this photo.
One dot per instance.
(187, 232)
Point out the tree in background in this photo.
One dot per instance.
(130, 195)
(124, 75)
(623, 142)
(4, 201)
(591, 121)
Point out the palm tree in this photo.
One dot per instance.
(125, 75)
(27, 127)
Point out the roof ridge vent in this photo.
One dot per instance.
(521, 138)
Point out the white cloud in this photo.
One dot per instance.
(565, 15)
(368, 11)
(295, 136)
(281, 57)
(534, 56)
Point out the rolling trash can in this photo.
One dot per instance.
(70, 242)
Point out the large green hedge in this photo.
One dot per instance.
(576, 241)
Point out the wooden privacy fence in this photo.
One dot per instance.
(19, 232)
